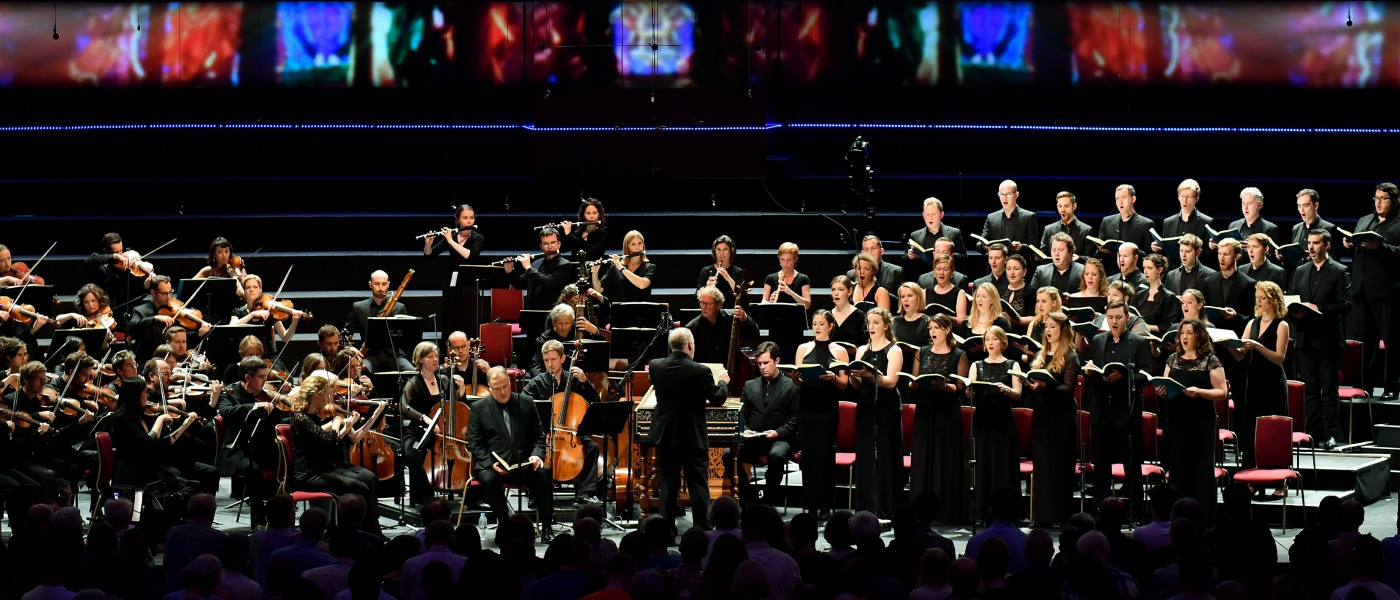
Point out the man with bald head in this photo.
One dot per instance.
(377, 359)
(1011, 222)
(683, 388)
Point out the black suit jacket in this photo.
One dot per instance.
(486, 431)
(1269, 272)
(1262, 225)
(1111, 401)
(543, 281)
(1300, 232)
(925, 238)
(360, 313)
(1172, 280)
(1173, 226)
(1377, 271)
(776, 411)
(1049, 275)
(1241, 299)
(1024, 230)
(1078, 230)
(683, 388)
(1330, 289)
(1137, 230)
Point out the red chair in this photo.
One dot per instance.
(496, 343)
(1351, 385)
(1273, 453)
(106, 469)
(1225, 435)
(906, 415)
(1079, 392)
(1298, 413)
(1023, 417)
(505, 307)
(846, 446)
(287, 484)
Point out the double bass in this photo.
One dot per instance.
(448, 462)
(740, 362)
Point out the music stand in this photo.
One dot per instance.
(593, 356)
(464, 307)
(91, 339)
(637, 314)
(390, 380)
(217, 297)
(533, 323)
(606, 419)
(40, 296)
(386, 336)
(221, 346)
(786, 323)
(635, 343)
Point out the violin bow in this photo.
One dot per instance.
(31, 272)
(285, 277)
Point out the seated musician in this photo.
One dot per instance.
(10, 275)
(248, 315)
(329, 342)
(711, 329)
(78, 369)
(38, 453)
(628, 276)
(377, 359)
(423, 391)
(543, 275)
(110, 267)
(347, 364)
(564, 325)
(250, 345)
(769, 425)
(598, 304)
(552, 381)
(203, 441)
(251, 412)
(148, 325)
(320, 430)
(14, 355)
(145, 453)
(220, 263)
(187, 360)
(459, 352)
(507, 425)
(94, 310)
(124, 367)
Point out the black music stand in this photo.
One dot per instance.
(638, 343)
(388, 336)
(533, 323)
(606, 419)
(91, 339)
(221, 346)
(637, 314)
(217, 297)
(464, 307)
(390, 380)
(786, 323)
(593, 356)
(686, 315)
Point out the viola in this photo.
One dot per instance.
(278, 310)
(155, 409)
(371, 452)
(234, 268)
(67, 406)
(22, 420)
(102, 394)
(21, 313)
(188, 318)
(20, 271)
(136, 266)
(103, 319)
(275, 374)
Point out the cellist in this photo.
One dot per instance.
(554, 381)
(420, 394)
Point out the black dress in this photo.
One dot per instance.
(994, 437)
(1266, 389)
(878, 449)
(1053, 427)
(618, 288)
(852, 330)
(911, 332)
(1162, 310)
(938, 461)
(948, 298)
(574, 245)
(319, 464)
(816, 433)
(965, 331)
(1189, 455)
(1017, 299)
(799, 281)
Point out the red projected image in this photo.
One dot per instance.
(805, 46)
(495, 42)
(1325, 52)
(554, 24)
(201, 43)
(1199, 44)
(107, 49)
(1108, 41)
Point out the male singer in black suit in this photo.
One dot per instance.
(1376, 269)
(1308, 202)
(683, 388)
(507, 424)
(887, 275)
(542, 277)
(1189, 220)
(1127, 226)
(1129, 267)
(377, 360)
(1323, 285)
(710, 331)
(555, 380)
(1062, 272)
(1114, 413)
(1011, 222)
(1079, 231)
(1233, 291)
(914, 266)
(1252, 204)
(1257, 249)
(1192, 274)
(769, 415)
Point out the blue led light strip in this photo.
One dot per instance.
(1091, 128)
(705, 128)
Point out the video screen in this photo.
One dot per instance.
(1108, 42)
(653, 43)
(200, 43)
(897, 43)
(995, 47)
(313, 43)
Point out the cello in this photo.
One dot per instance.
(566, 458)
(447, 462)
(740, 371)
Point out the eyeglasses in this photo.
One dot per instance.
(1381, 198)
(1006, 195)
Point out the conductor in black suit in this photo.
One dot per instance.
(683, 388)
(507, 424)
(1011, 222)
(378, 360)
(1324, 285)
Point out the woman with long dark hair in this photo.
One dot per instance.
(589, 239)
(817, 415)
(1189, 453)
(938, 459)
(1054, 422)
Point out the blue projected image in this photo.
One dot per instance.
(995, 42)
(636, 26)
(313, 42)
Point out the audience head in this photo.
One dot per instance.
(437, 533)
(864, 524)
(802, 531)
(751, 580)
(927, 506)
(965, 578)
(1159, 500)
(201, 507)
(933, 568)
(588, 530)
(313, 524)
(281, 511)
(1113, 512)
(650, 585)
(694, 544)
(1186, 537)
(1368, 557)
(1083, 521)
(1040, 548)
(1190, 508)
(1350, 516)
(352, 510)
(117, 512)
(837, 532)
(660, 532)
(992, 559)
(1006, 505)
(1093, 543)
(466, 540)
(202, 573)
(238, 549)
(724, 513)
(761, 522)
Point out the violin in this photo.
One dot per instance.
(155, 409)
(275, 374)
(103, 320)
(20, 271)
(21, 313)
(104, 395)
(136, 266)
(278, 310)
(234, 268)
(188, 318)
(22, 420)
(67, 406)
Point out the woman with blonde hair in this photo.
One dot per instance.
(993, 426)
(1265, 343)
(627, 279)
(878, 422)
(911, 324)
(867, 287)
(319, 431)
(985, 313)
(1054, 422)
(944, 292)
(425, 389)
(1047, 300)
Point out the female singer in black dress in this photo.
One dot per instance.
(993, 425)
(423, 391)
(589, 239)
(849, 320)
(878, 423)
(1017, 292)
(1265, 345)
(938, 460)
(1157, 305)
(1054, 423)
(1047, 300)
(910, 322)
(724, 275)
(627, 280)
(1189, 453)
(320, 430)
(985, 313)
(817, 415)
(465, 243)
(867, 288)
(788, 285)
(944, 292)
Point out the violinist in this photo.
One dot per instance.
(724, 275)
(79, 369)
(312, 363)
(319, 431)
(712, 328)
(466, 242)
(347, 365)
(251, 412)
(145, 453)
(553, 381)
(123, 367)
(377, 359)
(590, 238)
(14, 354)
(13, 273)
(564, 324)
(148, 325)
(250, 314)
(629, 279)
(94, 309)
(75, 418)
(250, 345)
(110, 268)
(507, 424)
(38, 453)
(541, 278)
(223, 263)
(178, 339)
(423, 391)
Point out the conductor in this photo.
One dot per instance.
(683, 387)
